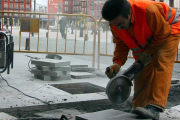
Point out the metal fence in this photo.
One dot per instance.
(49, 45)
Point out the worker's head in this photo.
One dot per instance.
(118, 13)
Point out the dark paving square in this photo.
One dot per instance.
(79, 88)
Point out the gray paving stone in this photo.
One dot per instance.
(58, 73)
(50, 62)
(72, 66)
(40, 72)
(49, 78)
(58, 113)
(46, 68)
(50, 73)
(81, 75)
(5, 116)
(110, 114)
(82, 69)
(43, 68)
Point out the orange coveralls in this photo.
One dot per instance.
(157, 75)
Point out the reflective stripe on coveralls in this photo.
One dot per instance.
(172, 16)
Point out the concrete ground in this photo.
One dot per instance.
(20, 77)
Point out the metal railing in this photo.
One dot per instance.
(76, 16)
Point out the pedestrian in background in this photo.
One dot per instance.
(72, 27)
(7, 26)
(92, 28)
(62, 26)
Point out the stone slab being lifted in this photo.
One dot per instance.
(109, 114)
(81, 75)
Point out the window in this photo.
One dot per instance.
(92, 14)
(11, 0)
(16, 0)
(16, 5)
(5, 5)
(5, 14)
(85, 10)
(22, 6)
(92, 7)
(27, 2)
(98, 15)
(66, 9)
(82, 10)
(5, 0)
(22, 0)
(27, 6)
(97, 7)
(66, 2)
(10, 14)
(27, 15)
(11, 5)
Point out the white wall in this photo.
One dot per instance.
(176, 3)
(166, 1)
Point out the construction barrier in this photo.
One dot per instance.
(29, 24)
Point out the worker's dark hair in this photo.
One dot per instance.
(114, 8)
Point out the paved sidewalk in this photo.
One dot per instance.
(21, 78)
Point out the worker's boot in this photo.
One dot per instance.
(148, 112)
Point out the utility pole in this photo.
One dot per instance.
(34, 16)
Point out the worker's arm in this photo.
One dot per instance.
(120, 55)
(121, 49)
(160, 28)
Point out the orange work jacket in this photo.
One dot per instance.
(143, 34)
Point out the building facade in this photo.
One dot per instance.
(90, 7)
(16, 6)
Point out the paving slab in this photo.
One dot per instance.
(5, 116)
(69, 113)
(174, 81)
(82, 69)
(50, 62)
(50, 78)
(72, 66)
(47, 68)
(81, 75)
(109, 114)
(50, 73)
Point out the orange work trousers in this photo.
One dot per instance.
(152, 85)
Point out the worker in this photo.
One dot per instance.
(151, 30)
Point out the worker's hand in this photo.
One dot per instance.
(145, 59)
(112, 70)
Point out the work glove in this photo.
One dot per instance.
(112, 70)
(144, 58)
